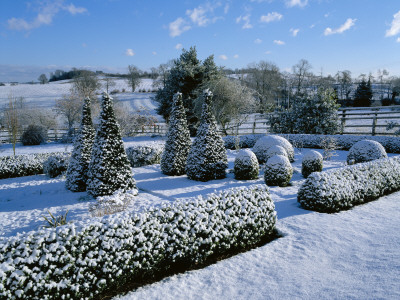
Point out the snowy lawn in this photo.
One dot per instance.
(351, 254)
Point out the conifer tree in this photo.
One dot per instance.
(80, 158)
(207, 158)
(363, 94)
(109, 168)
(177, 146)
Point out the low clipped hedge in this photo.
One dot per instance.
(344, 142)
(340, 189)
(84, 260)
(56, 164)
(24, 165)
(140, 156)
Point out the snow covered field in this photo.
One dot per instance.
(348, 255)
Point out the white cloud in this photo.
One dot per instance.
(279, 42)
(300, 3)
(178, 46)
(246, 20)
(177, 27)
(398, 40)
(129, 52)
(226, 8)
(395, 27)
(346, 26)
(257, 41)
(198, 16)
(271, 17)
(47, 12)
(223, 57)
(154, 53)
(236, 56)
(294, 31)
(267, 52)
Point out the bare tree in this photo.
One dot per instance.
(301, 72)
(11, 118)
(232, 102)
(345, 83)
(70, 108)
(109, 82)
(264, 77)
(43, 79)
(133, 77)
(163, 72)
(86, 85)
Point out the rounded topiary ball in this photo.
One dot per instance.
(266, 142)
(365, 150)
(246, 165)
(275, 150)
(278, 171)
(312, 162)
(34, 135)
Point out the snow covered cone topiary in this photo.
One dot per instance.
(263, 144)
(109, 168)
(207, 158)
(246, 165)
(278, 171)
(80, 158)
(365, 150)
(312, 162)
(177, 145)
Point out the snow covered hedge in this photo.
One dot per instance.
(24, 165)
(83, 260)
(344, 142)
(140, 156)
(365, 150)
(56, 164)
(343, 188)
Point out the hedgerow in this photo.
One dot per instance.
(83, 260)
(342, 188)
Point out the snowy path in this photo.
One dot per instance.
(349, 255)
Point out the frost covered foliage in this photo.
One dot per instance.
(266, 142)
(109, 168)
(275, 150)
(140, 156)
(34, 135)
(343, 188)
(107, 205)
(83, 260)
(246, 165)
(207, 158)
(77, 172)
(278, 171)
(244, 141)
(365, 150)
(56, 164)
(314, 113)
(24, 165)
(312, 162)
(177, 145)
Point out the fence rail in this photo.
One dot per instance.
(362, 120)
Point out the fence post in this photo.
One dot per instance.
(254, 126)
(343, 121)
(374, 121)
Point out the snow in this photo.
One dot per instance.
(352, 254)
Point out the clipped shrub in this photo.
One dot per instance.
(177, 145)
(83, 260)
(365, 150)
(24, 165)
(56, 164)
(278, 171)
(34, 135)
(339, 189)
(109, 167)
(207, 158)
(275, 150)
(263, 144)
(312, 162)
(246, 165)
(140, 156)
(243, 141)
(77, 172)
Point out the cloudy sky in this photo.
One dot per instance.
(39, 36)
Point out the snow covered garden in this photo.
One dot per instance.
(104, 220)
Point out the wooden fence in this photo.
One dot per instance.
(361, 121)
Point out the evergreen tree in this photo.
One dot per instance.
(363, 94)
(177, 146)
(80, 158)
(207, 158)
(109, 168)
(186, 76)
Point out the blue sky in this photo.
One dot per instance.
(40, 36)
